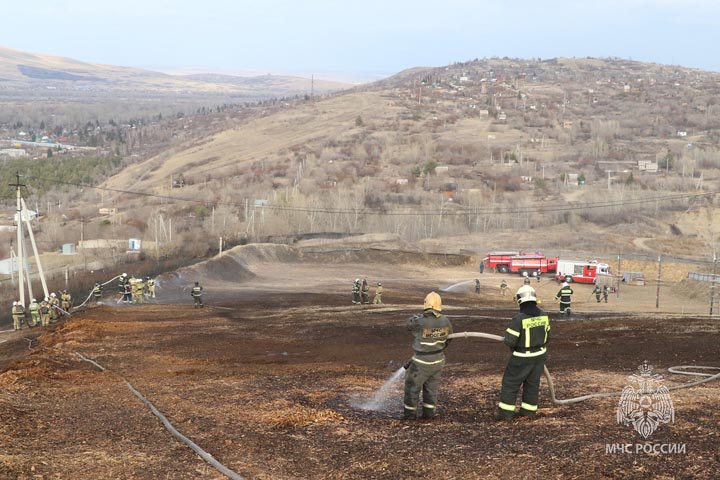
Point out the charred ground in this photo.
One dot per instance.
(268, 384)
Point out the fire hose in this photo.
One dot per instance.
(93, 290)
(679, 370)
(169, 426)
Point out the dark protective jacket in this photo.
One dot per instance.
(196, 291)
(564, 294)
(430, 331)
(528, 332)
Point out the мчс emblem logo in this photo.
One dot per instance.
(647, 404)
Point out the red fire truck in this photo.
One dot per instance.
(532, 265)
(580, 271)
(520, 262)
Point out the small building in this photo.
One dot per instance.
(647, 166)
(401, 181)
(107, 211)
(681, 133)
(13, 152)
(441, 169)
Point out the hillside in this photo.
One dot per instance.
(603, 152)
(22, 71)
(37, 89)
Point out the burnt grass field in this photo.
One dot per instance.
(269, 384)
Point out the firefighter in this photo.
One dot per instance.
(127, 293)
(564, 297)
(34, 308)
(54, 304)
(97, 292)
(526, 279)
(356, 291)
(45, 312)
(137, 291)
(197, 295)
(597, 291)
(377, 299)
(527, 336)
(605, 292)
(66, 301)
(365, 291)
(122, 281)
(430, 331)
(477, 286)
(18, 314)
(150, 287)
(503, 287)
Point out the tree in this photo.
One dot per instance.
(429, 166)
(359, 121)
(49, 153)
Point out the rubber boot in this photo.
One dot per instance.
(428, 413)
(501, 415)
(409, 414)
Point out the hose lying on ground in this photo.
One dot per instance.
(169, 426)
(677, 370)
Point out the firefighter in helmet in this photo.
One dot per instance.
(527, 336)
(430, 331)
(196, 294)
(377, 300)
(356, 291)
(564, 297)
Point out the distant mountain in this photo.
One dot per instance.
(22, 71)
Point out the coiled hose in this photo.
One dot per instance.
(679, 370)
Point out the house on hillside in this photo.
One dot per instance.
(13, 152)
(647, 166)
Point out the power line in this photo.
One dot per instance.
(458, 210)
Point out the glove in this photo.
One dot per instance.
(407, 365)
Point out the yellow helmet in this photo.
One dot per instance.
(432, 300)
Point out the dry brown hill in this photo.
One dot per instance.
(22, 71)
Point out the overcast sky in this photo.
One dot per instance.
(360, 40)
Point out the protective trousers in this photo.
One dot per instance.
(525, 371)
(426, 378)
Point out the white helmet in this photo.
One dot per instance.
(14, 303)
(34, 300)
(565, 284)
(52, 294)
(525, 294)
(46, 299)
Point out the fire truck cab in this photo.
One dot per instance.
(580, 271)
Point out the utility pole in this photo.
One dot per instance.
(712, 285)
(657, 293)
(20, 255)
(619, 272)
